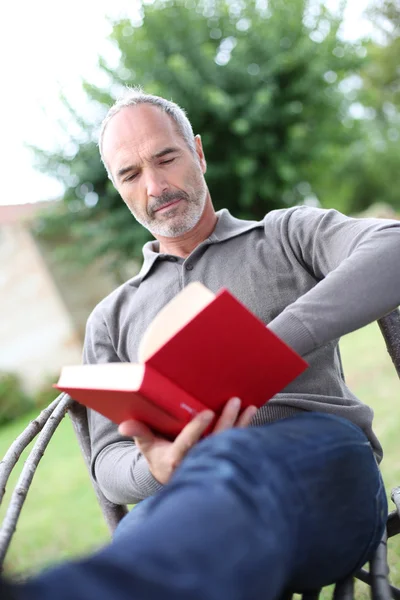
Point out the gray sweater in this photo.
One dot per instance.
(311, 275)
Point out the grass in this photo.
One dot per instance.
(61, 518)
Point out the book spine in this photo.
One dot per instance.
(169, 396)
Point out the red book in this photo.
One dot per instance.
(200, 350)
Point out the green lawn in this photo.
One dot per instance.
(61, 518)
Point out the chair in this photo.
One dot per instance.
(47, 422)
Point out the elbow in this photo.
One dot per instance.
(113, 473)
(112, 493)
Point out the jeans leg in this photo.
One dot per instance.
(249, 513)
(127, 525)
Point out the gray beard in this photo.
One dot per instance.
(184, 223)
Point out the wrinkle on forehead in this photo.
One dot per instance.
(134, 155)
(136, 133)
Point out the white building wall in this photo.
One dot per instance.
(37, 336)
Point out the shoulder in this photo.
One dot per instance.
(298, 213)
(302, 221)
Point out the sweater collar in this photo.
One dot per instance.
(227, 227)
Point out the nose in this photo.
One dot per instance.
(155, 183)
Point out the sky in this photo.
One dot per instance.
(47, 47)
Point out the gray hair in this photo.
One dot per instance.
(135, 96)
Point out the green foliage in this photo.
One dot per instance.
(262, 84)
(381, 72)
(372, 162)
(13, 400)
(46, 393)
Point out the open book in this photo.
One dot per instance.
(199, 351)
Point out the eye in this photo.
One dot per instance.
(168, 161)
(131, 177)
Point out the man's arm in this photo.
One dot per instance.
(357, 263)
(118, 466)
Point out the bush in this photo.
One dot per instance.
(46, 393)
(14, 402)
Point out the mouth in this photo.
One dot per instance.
(166, 207)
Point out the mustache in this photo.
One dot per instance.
(164, 199)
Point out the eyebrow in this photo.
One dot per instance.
(164, 152)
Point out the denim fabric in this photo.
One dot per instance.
(250, 512)
(133, 518)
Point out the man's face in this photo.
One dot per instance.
(156, 173)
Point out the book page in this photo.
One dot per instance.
(107, 376)
(175, 315)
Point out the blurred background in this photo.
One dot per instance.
(297, 102)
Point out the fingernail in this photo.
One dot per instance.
(125, 429)
(207, 416)
(236, 402)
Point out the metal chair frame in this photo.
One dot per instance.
(47, 422)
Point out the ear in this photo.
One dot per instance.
(200, 153)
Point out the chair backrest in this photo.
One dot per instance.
(390, 328)
(43, 428)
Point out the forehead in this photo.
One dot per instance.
(137, 132)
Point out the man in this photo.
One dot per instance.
(310, 275)
(242, 514)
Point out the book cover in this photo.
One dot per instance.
(201, 350)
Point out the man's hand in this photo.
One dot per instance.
(164, 456)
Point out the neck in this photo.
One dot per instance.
(185, 244)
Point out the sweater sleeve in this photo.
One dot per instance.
(356, 263)
(117, 465)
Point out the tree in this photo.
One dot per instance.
(381, 74)
(260, 82)
(372, 162)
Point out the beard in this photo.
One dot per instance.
(180, 218)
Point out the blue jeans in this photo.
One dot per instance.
(250, 513)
